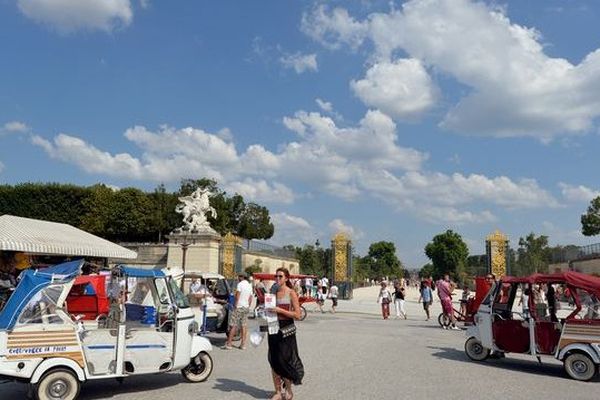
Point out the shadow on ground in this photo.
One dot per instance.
(106, 388)
(514, 364)
(231, 386)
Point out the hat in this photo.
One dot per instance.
(242, 274)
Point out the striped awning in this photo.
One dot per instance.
(43, 237)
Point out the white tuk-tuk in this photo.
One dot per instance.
(515, 318)
(150, 329)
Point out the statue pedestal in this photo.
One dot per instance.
(202, 250)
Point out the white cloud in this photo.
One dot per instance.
(334, 29)
(579, 194)
(345, 162)
(515, 88)
(325, 106)
(14, 127)
(438, 197)
(337, 225)
(401, 89)
(290, 229)
(71, 15)
(300, 62)
(262, 191)
(453, 216)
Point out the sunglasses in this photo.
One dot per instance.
(279, 276)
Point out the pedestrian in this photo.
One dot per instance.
(399, 302)
(384, 298)
(308, 282)
(333, 295)
(524, 303)
(320, 298)
(444, 288)
(286, 366)
(324, 283)
(241, 309)
(426, 296)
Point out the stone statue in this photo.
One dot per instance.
(194, 209)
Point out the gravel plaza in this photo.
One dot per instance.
(354, 354)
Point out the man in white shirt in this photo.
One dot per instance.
(239, 317)
(323, 283)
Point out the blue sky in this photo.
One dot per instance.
(388, 120)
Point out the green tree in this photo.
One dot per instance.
(255, 267)
(163, 216)
(426, 271)
(382, 260)
(590, 221)
(533, 255)
(477, 265)
(448, 253)
(46, 201)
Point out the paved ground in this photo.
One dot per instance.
(359, 356)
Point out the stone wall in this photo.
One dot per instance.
(149, 255)
(200, 256)
(270, 262)
(586, 266)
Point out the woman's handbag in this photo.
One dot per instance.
(288, 330)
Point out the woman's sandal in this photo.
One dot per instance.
(277, 396)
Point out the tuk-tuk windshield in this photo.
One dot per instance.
(42, 307)
(180, 299)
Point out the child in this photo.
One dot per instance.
(320, 298)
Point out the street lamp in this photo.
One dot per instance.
(184, 247)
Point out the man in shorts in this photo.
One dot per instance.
(333, 294)
(444, 288)
(241, 309)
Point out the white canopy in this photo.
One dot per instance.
(43, 237)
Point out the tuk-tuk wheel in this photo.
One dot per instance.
(580, 366)
(303, 313)
(57, 384)
(475, 350)
(199, 368)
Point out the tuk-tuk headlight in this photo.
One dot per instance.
(193, 328)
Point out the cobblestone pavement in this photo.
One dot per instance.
(358, 356)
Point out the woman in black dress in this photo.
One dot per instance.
(286, 366)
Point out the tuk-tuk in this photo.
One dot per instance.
(87, 299)
(216, 302)
(149, 329)
(515, 318)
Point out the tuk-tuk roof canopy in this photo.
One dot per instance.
(43, 237)
(134, 272)
(31, 283)
(576, 279)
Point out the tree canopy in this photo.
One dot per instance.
(590, 221)
(533, 255)
(448, 254)
(130, 214)
(381, 261)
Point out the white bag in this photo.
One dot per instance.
(256, 337)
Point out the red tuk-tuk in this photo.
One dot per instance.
(566, 326)
(302, 298)
(467, 316)
(88, 297)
